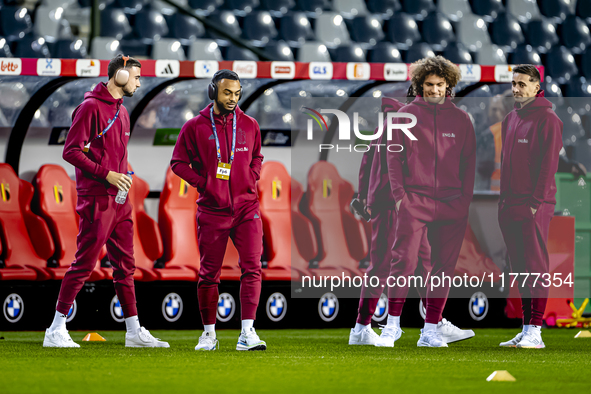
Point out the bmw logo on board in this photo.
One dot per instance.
(116, 310)
(478, 306)
(328, 307)
(14, 308)
(276, 307)
(381, 309)
(72, 312)
(226, 307)
(172, 307)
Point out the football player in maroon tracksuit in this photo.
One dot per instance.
(432, 181)
(532, 140)
(219, 153)
(97, 146)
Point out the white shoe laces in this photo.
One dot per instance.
(369, 332)
(64, 335)
(390, 331)
(531, 337)
(146, 336)
(207, 339)
(430, 335)
(251, 335)
(447, 324)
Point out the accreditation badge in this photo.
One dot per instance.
(223, 171)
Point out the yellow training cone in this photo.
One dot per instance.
(583, 334)
(93, 336)
(500, 376)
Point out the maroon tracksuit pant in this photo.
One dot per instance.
(445, 233)
(102, 221)
(383, 227)
(526, 237)
(246, 231)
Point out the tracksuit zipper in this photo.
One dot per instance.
(510, 155)
(435, 143)
(121, 139)
(229, 148)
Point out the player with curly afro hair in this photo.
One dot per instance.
(438, 66)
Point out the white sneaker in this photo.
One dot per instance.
(249, 340)
(207, 341)
(58, 338)
(367, 336)
(450, 333)
(389, 335)
(513, 342)
(431, 339)
(532, 339)
(143, 338)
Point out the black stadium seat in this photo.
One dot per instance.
(242, 7)
(586, 64)
(557, 9)
(259, 28)
(69, 49)
(584, 9)
(578, 87)
(32, 46)
(367, 30)
(236, 53)
(457, 53)
(295, 29)
(437, 31)
(311, 7)
(205, 7)
(150, 26)
(350, 53)
(384, 7)
(114, 24)
(131, 6)
(277, 8)
(185, 28)
(385, 52)
(541, 34)
(488, 9)
(575, 34)
(403, 30)
(419, 51)
(279, 50)
(552, 89)
(15, 22)
(560, 65)
(525, 54)
(4, 48)
(418, 8)
(506, 31)
(227, 22)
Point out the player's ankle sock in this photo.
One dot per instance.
(209, 328)
(535, 329)
(247, 323)
(526, 327)
(393, 321)
(133, 324)
(59, 322)
(359, 327)
(430, 327)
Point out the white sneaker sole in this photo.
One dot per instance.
(258, 346)
(507, 345)
(52, 344)
(467, 335)
(540, 346)
(426, 344)
(354, 342)
(384, 344)
(146, 345)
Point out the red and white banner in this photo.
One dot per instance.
(246, 69)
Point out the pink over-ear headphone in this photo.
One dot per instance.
(122, 75)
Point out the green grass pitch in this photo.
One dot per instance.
(297, 361)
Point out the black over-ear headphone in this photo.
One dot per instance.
(212, 89)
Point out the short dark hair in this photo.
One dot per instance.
(528, 69)
(224, 74)
(117, 63)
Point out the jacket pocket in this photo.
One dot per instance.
(86, 207)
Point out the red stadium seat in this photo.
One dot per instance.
(21, 260)
(334, 223)
(147, 242)
(176, 219)
(55, 200)
(277, 202)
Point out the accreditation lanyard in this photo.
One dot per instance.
(223, 171)
(87, 146)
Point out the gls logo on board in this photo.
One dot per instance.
(320, 70)
(168, 68)
(345, 129)
(11, 66)
(88, 68)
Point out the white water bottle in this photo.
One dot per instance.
(122, 194)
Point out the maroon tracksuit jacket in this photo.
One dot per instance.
(433, 177)
(532, 140)
(227, 208)
(101, 219)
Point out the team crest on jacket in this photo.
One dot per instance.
(241, 137)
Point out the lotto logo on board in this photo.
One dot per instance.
(11, 66)
(245, 69)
